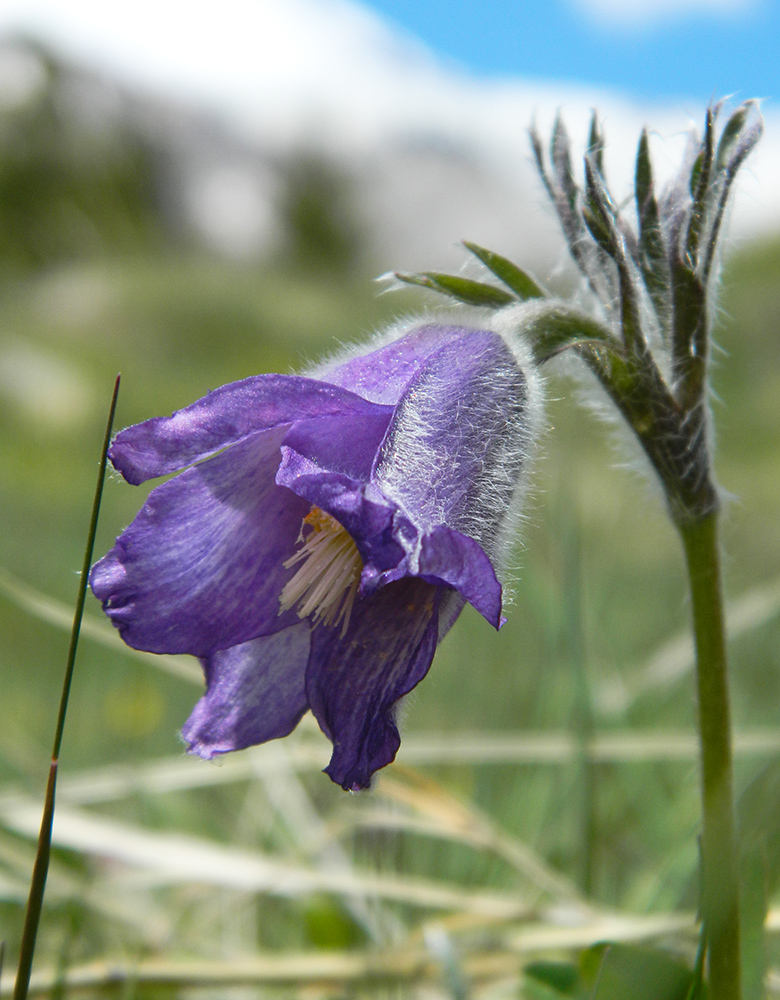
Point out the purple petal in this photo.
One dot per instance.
(444, 556)
(437, 452)
(456, 445)
(353, 682)
(346, 444)
(448, 557)
(200, 568)
(255, 692)
(224, 417)
(383, 375)
(371, 524)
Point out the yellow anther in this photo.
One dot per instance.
(326, 584)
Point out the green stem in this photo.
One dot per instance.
(720, 887)
(582, 713)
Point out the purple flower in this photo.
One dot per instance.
(331, 537)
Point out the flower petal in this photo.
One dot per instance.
(343, 443)
(200, 568)
(224, 417)
(444, 556)
(255, 692)
(456, 446)
(383, 375)
(354, 681)
(448, 557)
(371, 524)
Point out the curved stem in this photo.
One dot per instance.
(720, 888)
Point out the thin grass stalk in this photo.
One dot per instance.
(720, 886)
(41, 866)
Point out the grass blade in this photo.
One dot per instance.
(41, 866)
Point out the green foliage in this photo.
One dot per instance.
(321, 232)
(478, 808)
(560, 978)
(70, 191)
(512, 276)
(610, 971)
(473, 293)
(630, 972)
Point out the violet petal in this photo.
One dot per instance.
(382, 375)
(201, 567)
(371, 524)
(224, 417)
(255, 692)
(448, 557)
(454, 450)
(354, 681)
(346, 444)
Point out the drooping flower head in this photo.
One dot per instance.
(326, 533)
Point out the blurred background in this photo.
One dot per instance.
(195, 192)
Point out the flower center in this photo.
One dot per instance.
(326, 584)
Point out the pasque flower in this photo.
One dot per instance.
(325, 534)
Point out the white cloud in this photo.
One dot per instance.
(638, 15)
(332, 74)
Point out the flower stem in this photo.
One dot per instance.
(720, 888)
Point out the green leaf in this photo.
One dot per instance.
(598, 211)
(696, 169)
(643, 177)
(690, 343)
(596, 144)
(730, 135)
(740, 134)
(701, 189)
(513, 277)
(597, 228)
(555, 328)
(603, 221)
(561, 977)
(565, 196)
(536, 146)
(634, 972)
(473, 293)
(560, 154)
(653, 261)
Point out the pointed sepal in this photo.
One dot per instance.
(522, 284)
(472, 293)
(652, 251)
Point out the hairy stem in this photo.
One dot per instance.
(720, 888)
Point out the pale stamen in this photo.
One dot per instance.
(326, 584)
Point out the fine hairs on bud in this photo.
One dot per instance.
(509, 325)
(508, 405)
(648, 272)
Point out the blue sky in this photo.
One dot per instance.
(690, 49)
(670, 51)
